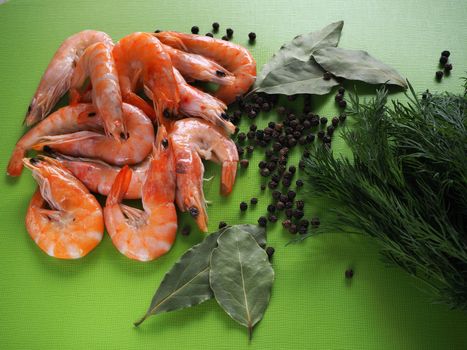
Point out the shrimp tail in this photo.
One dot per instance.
(120, 186)
(229, 171)
(15, 165)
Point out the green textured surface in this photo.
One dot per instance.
(91, 303)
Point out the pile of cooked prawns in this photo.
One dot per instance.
(110, 140)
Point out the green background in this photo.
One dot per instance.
(91, 303)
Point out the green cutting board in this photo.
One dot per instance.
(91, 303)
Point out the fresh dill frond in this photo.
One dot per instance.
(406, 185)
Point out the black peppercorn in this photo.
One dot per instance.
(315, 221)
(241, 136)
(293, 229)
(296, 134)
(349, 273)
(272, 184)
(229, 32)
(299, 183)
(302, 230)
(330, 130)
(209, 35)
(282, 197)
(244, 163)
(327, 76)
(339, 97)
(252, 36)
(215, 26)
(186, 230)
(271, 208)
(335, 121)
(280, 205)
(249, 149)
(276, 177)
(341, 90)
(291, 194)
(243, 206)
(157, 31)
(271, 166)
(225, 38)
(306, 153)
(342, 104)
(342, 117)
(443, 60)
(195, 29)
(262, 221)
(292, 142)
(286, 223)
(262, 164)
(439, 74)
(320, 134)
(272, 218)
(240, 150)
(327, 139)
(300, 204)
(298, 214)
(265, 172)
(254, 200)
(270, 252)
(286, 183)
(250, 135)
(323, 120)
(304, 223)
(288, 213)
(263, 187)
(265, 107)
(289, 204)
(445, 53)
(448, 68)
(222, 224)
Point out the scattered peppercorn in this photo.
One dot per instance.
(244, 163)
(341, 90)
(291, 194)
(271, 208)
(286, 223)
(439, 75)
(342, 117)
(209, 35)
(215, 26)
(157, 31)
(280, 205)
(272, 184)
(303, 223)
(272, 218)
(327, 76)
(262, 164)
(286, 182)
(252, 36)
(195, 29)
(229, 32)
(254, 200)
(299, 183)
(330, 130)
(302, 230)
(339, 97)
(445, 53)
(252, 114)
(262, 221)
(270, 252)
(348, 273)
(327, 139)
(443, 60)
(342, 104)
(240, 150)
(186, 230)
(300, 204)
(288, 213)
(335, 121)
(222, 224)
(225, 38)
(298, 214)
(265, 172)
(323, 120)
(448, 68)
(243, 206)
(293, 229)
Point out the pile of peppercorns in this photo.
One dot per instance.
(276, 140)
(215, 29)
(443, 62)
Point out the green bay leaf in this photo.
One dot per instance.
(297, 77)
(187, 283)
(301, 47)
(357, 65)
(241, 277)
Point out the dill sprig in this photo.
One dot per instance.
(406, 185)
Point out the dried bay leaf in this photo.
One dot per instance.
(301, 47)
(241, 277)
(297, 77)
(187, 282)
(357, 65)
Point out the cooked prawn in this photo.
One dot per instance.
(97, 63)
(65, 120)
(196, 103)
(192, 138)
(197, 67)
(99, 176)
(94, 144)
(56, 80)
(234, 58)
(141, 56)
(145, 235)
(63, 218)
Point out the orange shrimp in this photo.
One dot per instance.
(57, 78)
(197, 67)
(140, 55)
(63, 218)
(145, 235)
(196, 103)
(234, 58)
(191, 139)
(99, 176)
(97, 63)
(94, 144)
(65, 120)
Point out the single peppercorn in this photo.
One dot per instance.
(439, 75)
(342, 117)
(225, 38)
(249, 149)
(272, 218)
(323, 120)
(445, 53)
(341, 90)
(254, 200)
(330, 130)
(293, 229)
(327, 139)
(265, 172)
(349, 273)
(157, 31)
(280, 205)
(300, 204)
(244, 163)
(443, 60)
(229, 32)
(289, 213)
(276, 194)
(302, 230)
(262, 164)
(299, 183)
(292, 142)
(253, 127)
(241, 136)
(215, 26)
(272, 184)
(263, 187)
(240, 150)
(297, 134)
(252, 114)
(286, 183)
(270, 252)
(327, 76)
(243, 206)
(342, 104)
(252, 36)
(209, 35)
(298, 214)
(271, 208)
(338, 97)
(250, 135)
(265, 107)
(448, 68)
(262, 221)
(222, 224)
(186, 230)
(291, 194)
(195, 29)
(303, 223)
(309, 139)
(292, 169)
(275, 177)
(335, 121)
